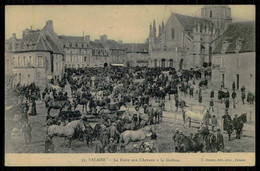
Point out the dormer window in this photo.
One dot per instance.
(76, 44)
(70, 44)
(225, 45)
(238, 45)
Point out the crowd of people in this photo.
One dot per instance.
(102, 91)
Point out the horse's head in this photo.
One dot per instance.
(243, 117)
(81, 126)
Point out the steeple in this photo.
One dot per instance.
(154, 29)
(151, 30)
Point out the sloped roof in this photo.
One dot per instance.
(38, 41)
(188, 22)
(135, 47)
(239, 30)
(65, 39)
(94, 44)
(112, 44)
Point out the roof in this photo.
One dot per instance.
(38, 41)
(135, 47)
(94, 44)
(71, 38)
(239, 30)
(188, 22)
(112, 44)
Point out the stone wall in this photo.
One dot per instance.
(231, 65)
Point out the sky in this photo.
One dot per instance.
(129, 23)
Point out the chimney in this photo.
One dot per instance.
(14, 35)
(103, 38)
(120, 42)
(49, 26)
(87, 38)
(25, 32)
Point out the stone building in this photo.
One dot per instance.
(185, 41)
(137, 54)
(234, 57)
(82, 52)
(38, 57)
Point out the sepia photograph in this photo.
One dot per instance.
(172, 79)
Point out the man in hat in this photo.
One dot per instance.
(154, 140)
(175, 138)
(112, 147)
(49, 146)
(211, 104)
(113, 132)
(214, 122)
(236, 124)
(212, 141)
(219, 141)
(227, 119)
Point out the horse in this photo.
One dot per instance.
(250, 98)
(240, 124)
(56, 105)
(204, 83)
(67, 131)
(132, 136)
(143, 119)
(157, 113)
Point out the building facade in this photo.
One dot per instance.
(38, 57)
(234, 57)
(185, 41)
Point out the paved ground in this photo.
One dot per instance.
(171, 121)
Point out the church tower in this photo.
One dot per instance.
(152, 36)
(220, 15)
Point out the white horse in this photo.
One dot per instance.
(67, 131)
(197, 116)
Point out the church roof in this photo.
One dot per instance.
(244, 31)
(135, 47)
(71, 38)
(188, 22)
(94, 44)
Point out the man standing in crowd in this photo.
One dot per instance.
(220, 141)
(234, 95)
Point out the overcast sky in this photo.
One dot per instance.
(129, 23)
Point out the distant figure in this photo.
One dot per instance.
(234, 95)
(212, 94)
(112, 147)
(27, 132)
(211, 104)
(220, 141)
(49, 146)
(214, 122)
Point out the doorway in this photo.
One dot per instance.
(238, 81)
(223, 79)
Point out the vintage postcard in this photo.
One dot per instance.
(130, 85)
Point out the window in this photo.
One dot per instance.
(20, 77)
(171, 63)
(30, 61)
(163, 63)
(19, 61)
(222, 62)
(70, 58)
(29, 79)
(172, 33)
(210, 13)
(155, 63)
(24, 61)
(57, 66)
(85, 59)
(7, 66)
(14, 62)
(40, 61)
(78, 65)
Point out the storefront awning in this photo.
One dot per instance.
(118, 65)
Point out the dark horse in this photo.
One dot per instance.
(237, 126)
(56, 105)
